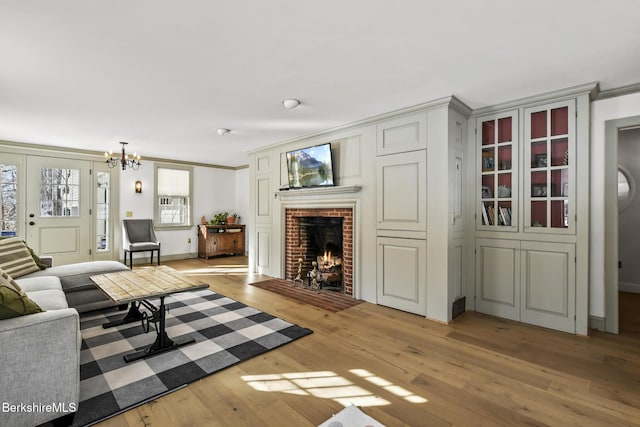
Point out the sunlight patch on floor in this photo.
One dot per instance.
(330, 385)
(390, 387)
(219, 269)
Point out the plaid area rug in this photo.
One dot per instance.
(226, 332)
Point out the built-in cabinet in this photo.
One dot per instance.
(402, 274)
(491, 205)
(526, 204)
(214, 240)
(401, 173)
(402, 195)
(532, 282)
(549, 161)
(420, 215)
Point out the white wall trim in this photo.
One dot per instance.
(629, 287)
(596, 323)
(556, 95)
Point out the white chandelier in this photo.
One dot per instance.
(124, 160)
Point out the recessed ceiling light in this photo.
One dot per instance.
(290, 103)
(223, 131)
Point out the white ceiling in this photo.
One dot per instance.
(164, 74)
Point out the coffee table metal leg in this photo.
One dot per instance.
(133, 315)
(162, 343)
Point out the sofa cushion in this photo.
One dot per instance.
(41, 263)
(13, 301)
(15, 258)
(43, 283)
(75, 277)
(49, 299)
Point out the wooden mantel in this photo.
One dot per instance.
(317, 191)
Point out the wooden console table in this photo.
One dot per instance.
(223, 239)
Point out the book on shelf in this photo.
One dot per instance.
(505, 215)
(492, 215)
(485, 219)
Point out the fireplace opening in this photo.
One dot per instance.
(321, 240)
(324, 236)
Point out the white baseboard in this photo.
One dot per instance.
(597, 323)
(173, 257)
(629, 287)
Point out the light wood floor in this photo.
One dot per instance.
(405, 370)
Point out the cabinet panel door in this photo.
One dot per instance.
(498, 278)
(210, 241)
(263, 205)
(226, 243)
(497, 186)
(402, 134)
(402, 274)
(550, 164)
(239, 243)
(263, 250)
(401, 191)
(549, 285)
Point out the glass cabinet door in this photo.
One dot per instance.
(549, 153)
(499, 176)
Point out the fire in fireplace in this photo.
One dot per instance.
(330, 267)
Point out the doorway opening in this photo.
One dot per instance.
(620, 179)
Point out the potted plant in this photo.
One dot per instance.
(231, 219)
(219, 218)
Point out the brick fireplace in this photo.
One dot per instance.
(299, 221)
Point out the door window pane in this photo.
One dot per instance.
(504, 130)
(8, 199)
(560, 121)
(59, 192)
(539, 124)
(102, 211)
(488, 132)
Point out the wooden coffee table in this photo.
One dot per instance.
(137, 287)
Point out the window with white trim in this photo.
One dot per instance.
(173, 196)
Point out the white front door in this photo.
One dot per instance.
(58, 208)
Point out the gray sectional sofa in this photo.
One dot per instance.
(40, 352)
(81, 293)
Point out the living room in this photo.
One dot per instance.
(424, 248)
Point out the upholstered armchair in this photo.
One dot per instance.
(138, 236)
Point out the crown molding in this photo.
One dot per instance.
(619, 91)
(58, 151)
(591, 88)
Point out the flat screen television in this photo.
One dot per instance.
(310, 167)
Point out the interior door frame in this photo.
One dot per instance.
(612, 129)
(115, 240)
